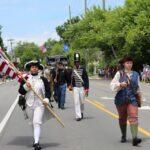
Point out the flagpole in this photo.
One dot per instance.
(46, 105)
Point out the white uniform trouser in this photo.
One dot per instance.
(36, 116)
(79, 100)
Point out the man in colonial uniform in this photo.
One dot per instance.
(49, 73)
(34, 106)
(80, 83)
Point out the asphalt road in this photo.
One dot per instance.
(98, 131)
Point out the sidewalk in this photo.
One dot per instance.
(95, 78)
(3, 82)
(100, 78)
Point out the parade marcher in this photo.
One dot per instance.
(35, 109)
(49, 73)
(61, 79)
(80, 84)
(127, 99)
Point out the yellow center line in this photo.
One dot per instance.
(103, 109)
(142, 130)
(96, 102)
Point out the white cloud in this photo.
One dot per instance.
(38, 39)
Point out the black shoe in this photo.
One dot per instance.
(136, 141)
(37, 146)
(123, 139)
(82, 116)
(33, 144)
(62, 107)
(78, 119)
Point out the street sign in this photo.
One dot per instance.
(66, 47)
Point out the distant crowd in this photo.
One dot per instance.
(109, 72)
(145, 74)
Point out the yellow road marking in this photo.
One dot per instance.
(96, 102)
(103, 109)
(143, 131)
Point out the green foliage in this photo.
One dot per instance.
(54, 47)
(91, 68)
(27, 52)
(126, 30)
(30, 51)
(100, 36)
(1, 40)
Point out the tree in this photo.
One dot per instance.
(118, 32)
(65, 27)
(1, 40)
(27, 52)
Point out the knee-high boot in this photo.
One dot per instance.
(123, 129)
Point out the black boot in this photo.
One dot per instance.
(136, 141)
(123, 139)
(37, 146)
(82, 116)
(78, 119)
(123, 131)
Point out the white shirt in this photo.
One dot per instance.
(38, 85)
(115, 84)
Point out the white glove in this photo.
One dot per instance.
(26, 88)
(46, 100)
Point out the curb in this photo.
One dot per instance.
(95, 78)
(7, 81)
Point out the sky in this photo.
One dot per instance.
(36, 20)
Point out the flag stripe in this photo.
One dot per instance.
(2, 66)
(5, 68)
(14, 75)
(8, 71)
(11, 73)
(1, 61)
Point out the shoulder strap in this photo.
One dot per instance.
(75, 71)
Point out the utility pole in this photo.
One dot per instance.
(104, 4)
(1, 40)
(0, 30)
(85, 5)
(70, 17)
(11, 47)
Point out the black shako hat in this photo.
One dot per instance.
(76, 57)
(28, 65)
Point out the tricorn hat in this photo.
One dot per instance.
(28, 65)
(76, 57)
(125, 59)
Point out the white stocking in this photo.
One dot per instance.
(37, 132)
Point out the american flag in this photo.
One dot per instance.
(6, 69)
